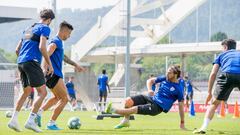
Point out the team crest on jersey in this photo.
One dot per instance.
(172, 89)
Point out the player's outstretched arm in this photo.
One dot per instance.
(42, 47)
(181, 114)
(19, 45)
(150, 82)
(211, 81)
(69, 61)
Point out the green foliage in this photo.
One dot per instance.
(164, 40)
(219, 36)
(97, 68)
(199, 66)
(11, 57)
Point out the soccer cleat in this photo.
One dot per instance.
(53, 127)
(109, 108)
(199, 131)
(38, 120)
(33, 127)
(122, 125)
(14, 125)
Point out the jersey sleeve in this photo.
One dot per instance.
(45, 31)
(180, 96)
(217, 60)
(56, 42)
(160, 79)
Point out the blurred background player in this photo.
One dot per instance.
(71, 93)
(103, 87)
(169, 91)
(189, 90)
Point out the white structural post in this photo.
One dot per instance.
(54, 8)
(127, 57)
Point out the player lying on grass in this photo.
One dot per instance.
(169, 91)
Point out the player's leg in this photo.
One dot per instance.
(48, 104)
(137, 105)
(61, 93)
(100, 100)
(13, 123)
(222, 91)
(36, 79)
(104, 100)
(187, 101)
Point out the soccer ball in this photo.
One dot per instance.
(74, 123)
(9, 114)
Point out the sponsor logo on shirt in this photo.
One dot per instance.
(172, 89)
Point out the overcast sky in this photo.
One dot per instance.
(74, 4)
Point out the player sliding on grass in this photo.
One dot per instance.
(169, 91)
(55, 81)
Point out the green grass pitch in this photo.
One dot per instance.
(162, 124)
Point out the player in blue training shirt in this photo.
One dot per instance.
(103, 87)
(30, 50)
(71, 93)
(189, 90)
(229, 64)
(55, 81)
(169, 91)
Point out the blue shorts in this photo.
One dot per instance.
(103, 93)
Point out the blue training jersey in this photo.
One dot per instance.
(102, 82)
(57, 56)
(189, 86)
(229, 61)
(167, 94)
(181, 83)
(70, 87)
(29, 50)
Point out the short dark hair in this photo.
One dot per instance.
(46, 14)
(66, 24)
(230, 43)
(104, 71)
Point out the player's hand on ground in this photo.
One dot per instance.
(182, 126)
(209, 97)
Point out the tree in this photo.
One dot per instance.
(219, 36)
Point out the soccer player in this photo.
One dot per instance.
(169, 91)
(55, 82)
(71, 93)
(189, 90)
(229, 64)
(102, 87)
(30, 50)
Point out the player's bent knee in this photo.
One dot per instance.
(129, 102)
(216, 102)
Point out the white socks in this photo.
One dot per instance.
(205, 124)
(32, 117)
(125, 120)
(51, 123)
(40, 111)
(15, 116)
